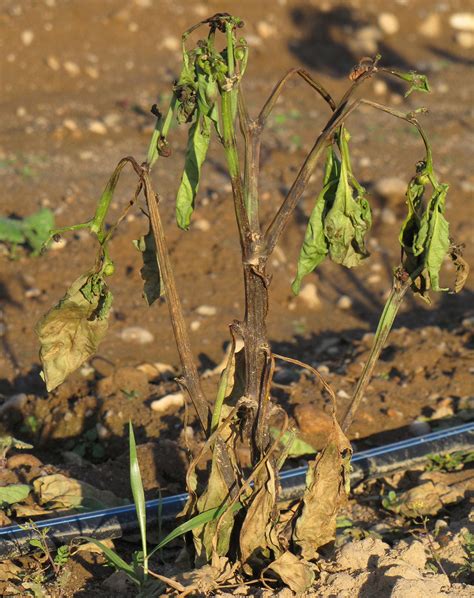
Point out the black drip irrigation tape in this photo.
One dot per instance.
(119, 521)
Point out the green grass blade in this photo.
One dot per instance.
(138, 493)
(114, 559)
(197, 521)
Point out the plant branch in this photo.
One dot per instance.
(192, 382)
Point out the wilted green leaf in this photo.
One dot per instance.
(198, 142)
(13, 493)
(418, 82)
(33, 230)
(348, 220)
(11, 231)
(296, 447)
(315, 246)
(71, 331)
(153, 287)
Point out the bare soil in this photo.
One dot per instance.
(79, 78)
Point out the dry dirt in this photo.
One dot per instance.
(79, 77)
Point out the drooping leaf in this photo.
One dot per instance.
(13, 493)
(153, 287)
(326, 491)
(11, 231)
(297, 447)
(198, 142)
(418, 82)
(37, 228)
(137, 487)
(294, 572)
(71, 331)
(315, 246)
(347, 221)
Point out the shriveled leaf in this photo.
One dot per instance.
(462, 268)
(198, 142)
(315, 246)
(294, 572)
(8, 570)
(13, 493)
(258, 539)
(418, 82)
(153, 287)
(71, 331)
(137, 487)
(56, 491)
(326, 491)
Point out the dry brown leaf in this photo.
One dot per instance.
(257, 536)
(56, 491)
(294, 572)
(326, 492)
(8, 570)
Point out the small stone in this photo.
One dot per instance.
(136, 334)
(344, 302)
(102, 431)
(53, 63)
(71, 68)
(157, 370)
(388, 216)
(21, 111)
(195, 325)
(419, 428)
(374, 279)
(365, 39)
(70, 124)
(265, 29)
(133, 27)
(323, 369)
(27, 37)
(388, 23)
(33, 293)
(202, 225)
(342, 394)
(14, 402)
(172, 401)
(206, 310)
(97, 127)
(463, 21)
(431, 27)
(465, 39)
(380, 87)
(92, 72)
(315, 424)
(390, 187)
(443, 410)
(170, 43)
(394, 412)
(309, 295)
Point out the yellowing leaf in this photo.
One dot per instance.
(71, 331)
(294, 572)
(13, 493)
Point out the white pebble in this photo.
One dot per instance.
(465, 39)
(170, 43)
(342, 394)
(53, 63)
(388, 23)
(206, 310)
(102, 431)
(388, 216)
(390, 187)
(171, 401)
(344, 302)
(71, 68)
(58, 245)
(265, 30)
(380, 87)
(202, 224)
(21, 111)
(92, 72)
(135, 334)
(463, 21)
(70, 124)
(374, 279)
(309, 294)
(195, 325)
(419, 428)
(27, 37)
(97, 127)
(431, 27)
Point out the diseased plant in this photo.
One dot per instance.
(248, 526)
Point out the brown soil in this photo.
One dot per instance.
(123, 60)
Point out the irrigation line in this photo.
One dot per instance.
(118, 521)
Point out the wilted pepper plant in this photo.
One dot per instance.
(237, 517)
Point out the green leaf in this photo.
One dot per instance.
(13, 493)
(114, 559)
(137, 489)
(296, 446)
(348, 220)
(71, 331)
(11, 231)
(198, 143)
(37, 228)
(153, 287)
(418, 82)
(315, 246)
